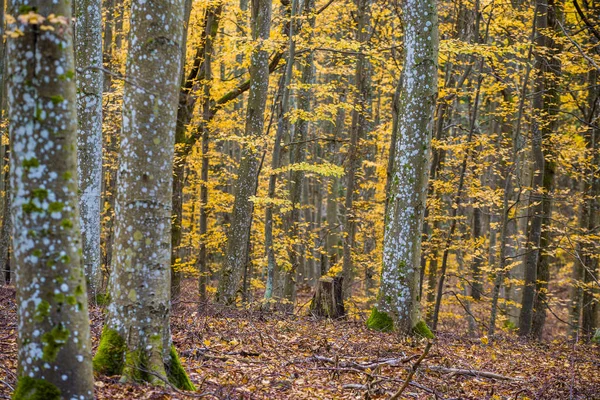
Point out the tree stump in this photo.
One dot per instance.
(328, 300)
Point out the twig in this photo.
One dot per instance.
(472, 372)
(392, 362)
(7, 384)
(414, 368)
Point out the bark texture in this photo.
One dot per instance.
(88, 59)
(399, 292)
(245, 187)
(136, 341)
(54, 337)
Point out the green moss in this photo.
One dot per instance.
(67, 176)
(421, 329)
(102, 299)
(72, 300)
(56, 206)
(380, 321)
(28, 208)
(57, 99)
(35, 389)
(177, 375)
(66, 223)
(53, 341)
(596, 337)
(41, 194)
(79, 290)
(30, 163)
(109, 357)
(42, 311)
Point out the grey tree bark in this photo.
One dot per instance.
(88, 60)
(213, 16)
(298, 155)
(245, 187)
(399, 291)
(361, 125)
(136, 340)
(539, 202)
(54, 338)
(282, 131)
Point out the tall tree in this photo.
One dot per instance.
(88, 59)
(544, 98)
(361, 125)
(398, 301)
(136, 340)
(282, 131)
(54, 336)
(297, 156)
(245, 187)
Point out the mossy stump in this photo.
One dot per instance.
(328, 301)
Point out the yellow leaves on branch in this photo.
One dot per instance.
(323, 169)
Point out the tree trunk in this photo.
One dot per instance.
(282, 131)
(241, 218)
(297, 156)
(399, 291)
(589, 320)
(136, 339)
(551, 107)
(213, 17)
(536, 203)
(187, 101)
(54, 337)
(88, 59)
(361, 124)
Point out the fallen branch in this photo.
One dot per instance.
(472, 372)
(392, 362)
(412, 372)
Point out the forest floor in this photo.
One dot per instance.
(248, 354)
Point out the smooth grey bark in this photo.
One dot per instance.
(361, 125)
(536, 194)
(399, 291)
(184, 115)
(332, 214)
(140, 281)
(552, 71)
(89, 77)
(212, 23)
(297, 155)
(245, 187)
(54, 338)
(282, 131)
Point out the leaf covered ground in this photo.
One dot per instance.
(249, 354)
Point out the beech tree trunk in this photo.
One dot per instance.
(245, 187)
(54, 337)
(136, 340)
(282, 131)
(88, 59)
(297, 155)
(399, 291)
(361, 124)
